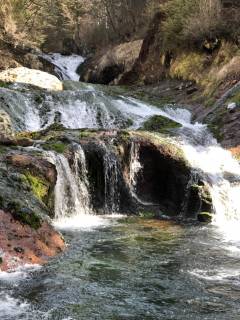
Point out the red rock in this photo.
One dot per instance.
(27, 246)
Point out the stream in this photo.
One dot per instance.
(130, 269)
(118, 267)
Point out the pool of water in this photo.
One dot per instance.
(131, 269)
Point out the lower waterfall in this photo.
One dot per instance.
(111, 182)
(72, 199)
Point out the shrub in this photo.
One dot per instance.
(195, 23)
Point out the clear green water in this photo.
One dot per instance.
(131, 269)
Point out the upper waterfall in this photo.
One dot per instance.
(65, 65)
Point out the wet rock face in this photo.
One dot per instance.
(199, 200)
(27, 183)
(163, 180)
(100, 180)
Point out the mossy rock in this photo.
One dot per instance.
(205, 217)
(235, 98)
(38, 186)
(57, 146)
(4, 84)
(149, 215)
(160, 124)
(24, 215)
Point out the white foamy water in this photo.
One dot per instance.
(66, 65)
(11, 308)
(19, 273)
(215, 275)
(80, 222)
(71, 190)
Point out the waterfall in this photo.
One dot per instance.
(223, 175)
(217, 167)
(65, 66)
(134, 166)
(111, 182)
(81, 174)
(71, 191)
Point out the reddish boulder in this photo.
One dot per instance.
(21, 244)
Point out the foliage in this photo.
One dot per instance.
(196, 23)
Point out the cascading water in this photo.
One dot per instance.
(67, 192)
(65, 66)
(216, 165)
(72, 199)
(89, 107)
(111, 182)
(81, 174)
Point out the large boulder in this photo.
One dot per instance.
(26, 203)
(109, 66)
(163, 182)
(33, 77)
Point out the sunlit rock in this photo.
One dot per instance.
(31, 76)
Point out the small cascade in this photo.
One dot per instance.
(65, 66)
(111, 182)
(134, 167)
(81, 174)
(71, 191)
(67, 195)
(222, 172)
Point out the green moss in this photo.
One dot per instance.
(205, 217)
(235, 98)
(24, 215)
(86, 134)
(1, 260)
(159, 102)
(129, 122)
(28, 135)
(124, 135)
(3, 150)
(38, 186)
(59, 147)
(216, 131)
(160, 124)
(38, 99)
(4, 84)
(148, 215)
